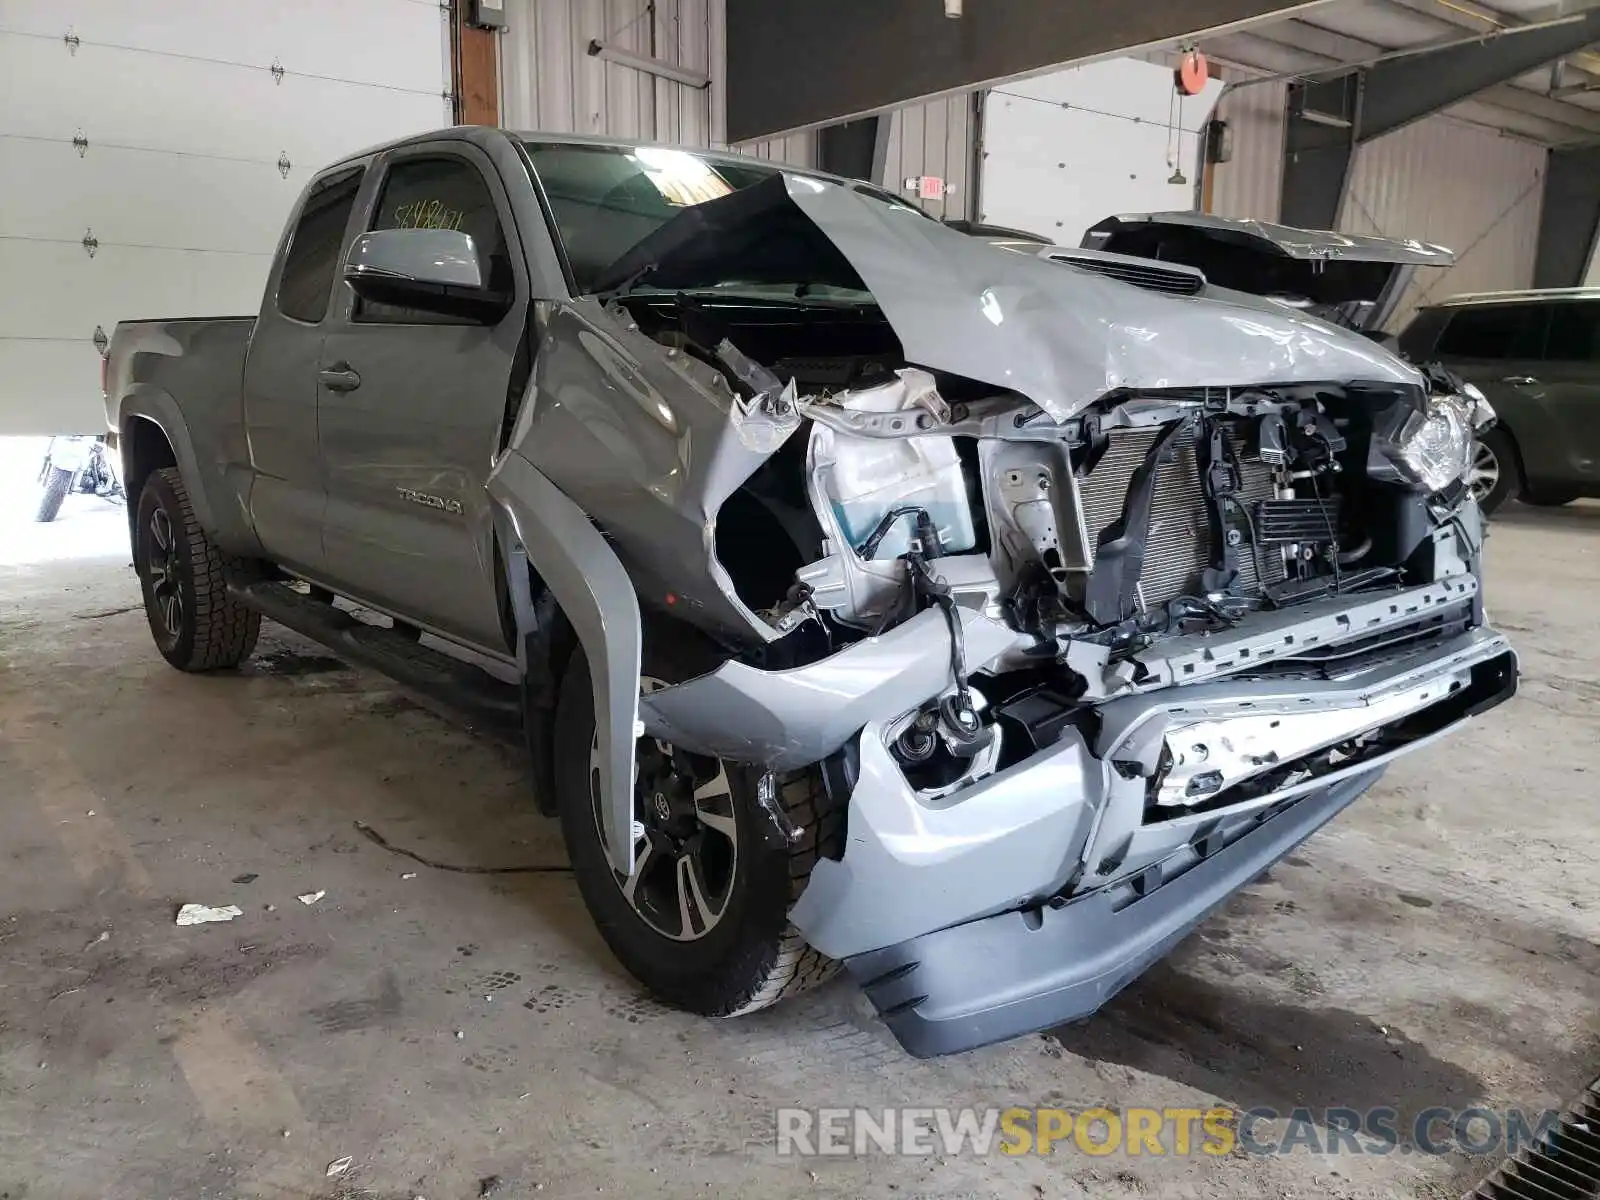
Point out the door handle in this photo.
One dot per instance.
(1520, 380)
(339, 378)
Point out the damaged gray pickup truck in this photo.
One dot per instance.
(867, 594)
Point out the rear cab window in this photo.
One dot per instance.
(311, 259)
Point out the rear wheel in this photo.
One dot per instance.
(55, 491)
(1494, 476)
(196, 624)
(703, 919)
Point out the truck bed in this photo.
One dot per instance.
(185, 374)
(191, 357)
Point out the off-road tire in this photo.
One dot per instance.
(55, 491)
(753, 957)
(215, 630)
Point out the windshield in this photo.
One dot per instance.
(606, 199)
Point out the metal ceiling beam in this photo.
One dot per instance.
(1576, 89)
(1321, 51)
(1329, 117)
(1505, 109)
(798, 64)
(1402, 90)
(1583, 122)
(1460, 16)
(1569, 221)
(1333, 48)
(1479, 18)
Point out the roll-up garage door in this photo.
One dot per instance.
(150, 150)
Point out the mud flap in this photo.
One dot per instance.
(597, 596)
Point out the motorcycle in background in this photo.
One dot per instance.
(76, 463)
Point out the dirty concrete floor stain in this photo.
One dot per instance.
(1435, 946)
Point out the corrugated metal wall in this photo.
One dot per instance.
(1250, 183)
(796, 150)
(933, 138)
(549, 81)
(1462, 186)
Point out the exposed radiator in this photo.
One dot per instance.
(1179, 547)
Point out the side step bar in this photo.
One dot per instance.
(452, 683)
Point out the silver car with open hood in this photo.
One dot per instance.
(881, 597)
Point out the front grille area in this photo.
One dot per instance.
(1179, 547)
(1285, 521)
(1152, 278)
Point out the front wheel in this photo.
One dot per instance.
(1493, 477)
(703, 920)
(55, 491)
(196, 624)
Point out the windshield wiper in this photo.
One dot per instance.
(628, 284)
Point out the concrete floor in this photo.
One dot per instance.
(1437, 945)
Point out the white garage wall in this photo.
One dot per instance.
(176, 182)
(796, 150)
(1063, 151)
(550, 82)
(1462, 186)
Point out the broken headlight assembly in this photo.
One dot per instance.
(1431, 448)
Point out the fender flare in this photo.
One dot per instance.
(148, 403)
(597, 597)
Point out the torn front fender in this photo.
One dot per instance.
(595, 593)
(645, 441)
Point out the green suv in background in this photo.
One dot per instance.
(1536, 355)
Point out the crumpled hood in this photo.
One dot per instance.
(1060, 337)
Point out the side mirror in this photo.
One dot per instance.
(435, 270)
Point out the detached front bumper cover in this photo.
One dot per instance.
(1021, 971)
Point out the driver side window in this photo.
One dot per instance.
(439, 193)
